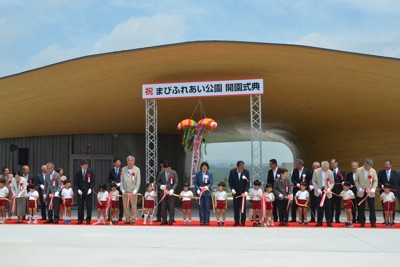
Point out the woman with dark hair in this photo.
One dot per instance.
(203, 182)
(18, 187)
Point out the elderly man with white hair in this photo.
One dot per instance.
(52, 187)
(366, 181)
(323, 183)
(130, 183)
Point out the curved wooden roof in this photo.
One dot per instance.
(322, 103)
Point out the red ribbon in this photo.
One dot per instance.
(13, 203)
(171, 177)
(165, 194)
(367, 192)
(289, 197)
(243, 201)
(129, 199)
(264, 205)
(304, 177)
(54, 181)
(321, 204)
(201, 193)
(133, 176)
(341, 176)
(51, 201)
(21, 186)
(88, 177)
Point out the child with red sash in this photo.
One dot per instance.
(301, 198)
(186, 195)
(149, 198)
(348, 197)
(33, 195)
(221, 203)
(66, 195)
(269, 199)
(102, 197)
(388, 199)
(255, 195)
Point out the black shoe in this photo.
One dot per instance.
(127, 222)
(206, 224)
(223, 224)
(171, 222)
(286, 224)
(120, 219)
(254, 224)
(329, 224)
(158, 220)
(362, 225)
(242, 224)
(337, 221)
(164, 223)
(133, 222)
(373, 225)
(87, 222)
(48, 221)
(55, 221)
(79, 222)
(235, 224)
(201, 223)
(219, 224)
(280, 224)
(318, 224)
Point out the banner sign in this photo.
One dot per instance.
(203, 89)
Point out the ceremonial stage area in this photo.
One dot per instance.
(104, 245)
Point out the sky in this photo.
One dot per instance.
(38, 33)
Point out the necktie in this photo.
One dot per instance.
(84, 174)
(388, 175)
(116, 172)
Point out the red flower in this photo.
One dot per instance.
(171, 176)
(120, 173)
(328, 179)
(369, 176)
(54, 179)
(62, 181)
(21, 184)
(133, 174)
(30, 181)
(9, 181)
(341, 175)
(89, 175)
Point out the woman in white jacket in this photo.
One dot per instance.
(18, 188)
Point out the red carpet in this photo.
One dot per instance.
(212, 224)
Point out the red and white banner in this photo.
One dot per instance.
(203, 89)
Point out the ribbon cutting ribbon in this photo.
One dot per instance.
(243, 201)
(264, 205)
(367, 192)
(129, 199)
(202, 190)
(51, 201)
(323, 198)
(165, 194)
(289, 197)
(13, 203)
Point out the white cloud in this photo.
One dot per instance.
(50, 55)
(143, 32)
(9, 32)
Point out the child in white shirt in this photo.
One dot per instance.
(149, 198)
(66, 195)
(186, 195)
(302, 198)
(347, 196)
(114, 203)
(388, 199)
(3, 200)
(269, 198)
(221, 203)
(33, 195)
(102, 197)
(255, 195)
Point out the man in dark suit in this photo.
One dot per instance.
(84, 184)
(159, 192)
(350, 177)
(300, 175)
(388, 176)
(272, 176)
(339, 177)
(39, 183)
(114, 176)
(167, 181)
(239, 182)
